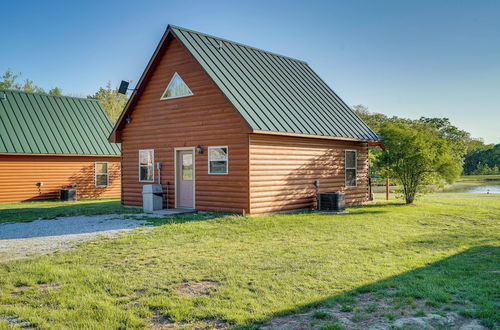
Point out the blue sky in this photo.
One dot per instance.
(407, 58)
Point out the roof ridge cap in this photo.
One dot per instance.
(236, 43)
(45, 94)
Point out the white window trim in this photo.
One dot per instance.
(227, 167)
(176, 151)
(355, 168)
(170, 83)
(139, 167)
(107, 174)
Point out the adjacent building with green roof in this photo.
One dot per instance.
(50, 142)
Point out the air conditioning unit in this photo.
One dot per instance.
(333, 202)
(68, 195)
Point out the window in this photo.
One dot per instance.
(176, 88)
(351, 162)
(101, 174)
(146, 165)
(217, 160)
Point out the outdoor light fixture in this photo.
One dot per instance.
(199, 149)
(128, 119)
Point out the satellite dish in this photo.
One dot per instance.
(123, 87)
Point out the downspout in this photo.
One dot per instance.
(158, 166)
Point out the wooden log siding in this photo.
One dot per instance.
(19, 175)
(283, 171)
(205, 118)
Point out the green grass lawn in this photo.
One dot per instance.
(441, 250)
(29, 211)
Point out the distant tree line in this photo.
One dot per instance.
(10, 80)
(111, 101)
(425, 151)
(485, 160)
(476, 156)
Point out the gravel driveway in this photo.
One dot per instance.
(18, 240)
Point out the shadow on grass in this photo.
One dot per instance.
(466, 283)
(183, 218)
(377, 208)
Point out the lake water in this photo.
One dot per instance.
(485, 189)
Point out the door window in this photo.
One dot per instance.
(187, 167)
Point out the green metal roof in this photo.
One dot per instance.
(32, 123)
(273, 92)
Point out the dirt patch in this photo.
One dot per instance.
(369, 312)
(16, 293)
(20, 288)
(48, 286)
(197, 289)
(15, 322)
(160, 322)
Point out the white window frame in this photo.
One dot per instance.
(95, 174)
(355, 168)
(153, 165)
(227, 160)
(170, 83)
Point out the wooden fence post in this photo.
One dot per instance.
(387, 188)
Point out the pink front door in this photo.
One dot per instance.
(185, 179)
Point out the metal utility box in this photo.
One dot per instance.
(334, 201)
(68, 195)
(152, 197)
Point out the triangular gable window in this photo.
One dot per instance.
(176, 88)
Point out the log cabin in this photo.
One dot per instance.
(48, 143)
(227, 127)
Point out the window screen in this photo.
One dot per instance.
(101, 174)
(351, 161)
(217, 160)
(146, 167)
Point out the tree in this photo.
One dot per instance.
(477, 145)
(416, 154)
(56, 91)
(458, 139)
(30, 87)
(111, 101)
(483, 161)
(9, 80)
(375, 121)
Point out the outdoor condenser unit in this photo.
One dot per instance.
(333, 201)
(68, 195)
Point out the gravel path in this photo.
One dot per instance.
(22, 239)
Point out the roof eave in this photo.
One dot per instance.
(59, 155)
(371, 142)
(139, 86)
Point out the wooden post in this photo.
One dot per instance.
(387, 188)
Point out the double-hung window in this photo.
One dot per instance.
(146, 165)
(101, 174)
(217, 160)
(351, 162)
